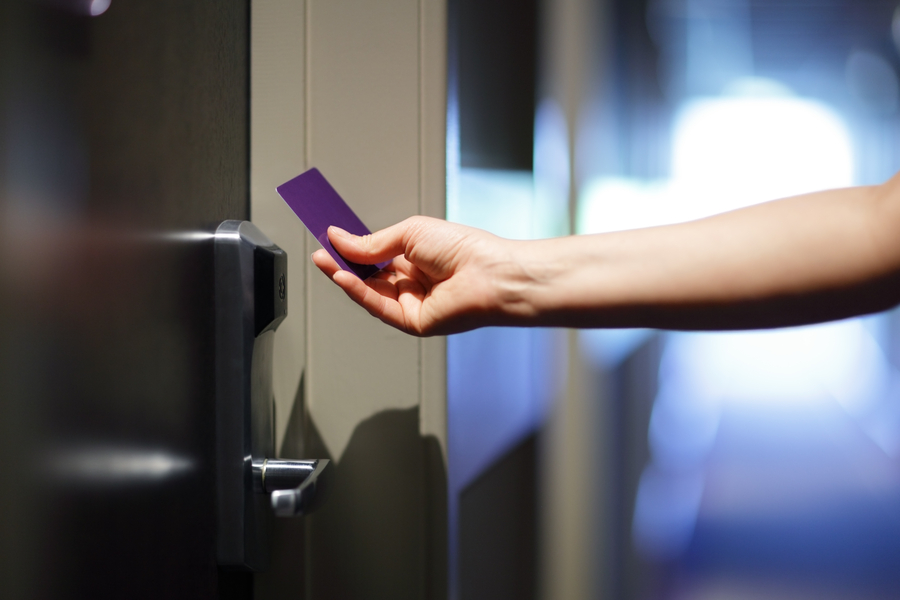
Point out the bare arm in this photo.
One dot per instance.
(811, 258)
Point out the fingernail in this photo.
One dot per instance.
(335, 230)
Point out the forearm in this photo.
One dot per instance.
(812, 258)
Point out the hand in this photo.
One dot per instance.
(444, 278)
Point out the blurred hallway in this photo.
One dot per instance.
(799, 503)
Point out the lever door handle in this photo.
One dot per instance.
(296, 487)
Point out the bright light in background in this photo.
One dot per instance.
(98, 7)
(116, 465)
(494, 200)
(803, 364)
(551, 171)
(756, 143)
(760, 143)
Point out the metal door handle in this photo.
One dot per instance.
(250, 302)
(296, 487)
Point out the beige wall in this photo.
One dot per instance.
(358, 89)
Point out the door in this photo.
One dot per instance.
(126, 143)
(129, 135)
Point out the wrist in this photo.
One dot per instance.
(524, 282)
(570, 281)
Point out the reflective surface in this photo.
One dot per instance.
(295, 497)
(249, 306)
(124, 142)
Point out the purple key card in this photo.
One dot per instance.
(319, 206)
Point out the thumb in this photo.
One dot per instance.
(369, 249)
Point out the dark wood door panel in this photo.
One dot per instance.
(126, 137)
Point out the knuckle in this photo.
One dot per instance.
(418, 222)
(413, 227)
(366, 243)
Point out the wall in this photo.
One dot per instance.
(358, 90)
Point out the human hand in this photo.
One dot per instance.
(444, 278)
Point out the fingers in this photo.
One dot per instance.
(376, 247)
(326, 264)
(382, 306)
(384, 286)
(378, 295)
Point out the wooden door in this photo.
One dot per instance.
(129, 136)
(125, 138)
